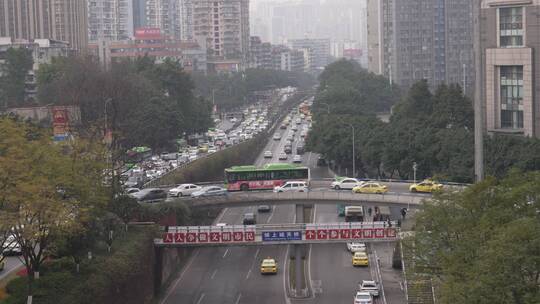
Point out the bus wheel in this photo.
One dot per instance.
(244, 187)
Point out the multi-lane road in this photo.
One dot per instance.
(231, 274)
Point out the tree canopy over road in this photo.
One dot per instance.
(435, 130)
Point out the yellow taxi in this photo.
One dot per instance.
(268, 265)
(370, 187)
(360, 258)
(427, 186)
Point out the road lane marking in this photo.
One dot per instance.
(181, 275)
(379, 275)
(271, 214)
(253, 263)
(225, 254)
(238, 299)
(213, 274)
(286, 274)
(200, 299)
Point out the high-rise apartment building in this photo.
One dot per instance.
(411, 40)
(320, 49)
(64, 20)
(110, 19)
(221, 25)
(510, 44)
(165, 15)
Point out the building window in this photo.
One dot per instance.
(511, 82)
(511, 26)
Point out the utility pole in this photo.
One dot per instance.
(478, 108)
(353, 152)
(415, 167)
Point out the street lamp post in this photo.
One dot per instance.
(414, 167)
(327, 107)
(353, 151)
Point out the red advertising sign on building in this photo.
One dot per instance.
(147, 33)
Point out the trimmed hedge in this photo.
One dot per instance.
(124, 276)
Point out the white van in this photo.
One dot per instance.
(292, 186)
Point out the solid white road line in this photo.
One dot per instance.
(200, 299)
(271, 214)
(173, 287)
(238, 299)
(379, 275)
(285, 272)
(253, 263)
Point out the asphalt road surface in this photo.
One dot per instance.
(12, 264)
(231, 274)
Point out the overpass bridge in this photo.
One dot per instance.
(249, 235)
(329, 197)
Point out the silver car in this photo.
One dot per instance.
(210, 191)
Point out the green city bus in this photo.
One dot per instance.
(244, 178)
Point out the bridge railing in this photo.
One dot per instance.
(329, 180)
(261, 197)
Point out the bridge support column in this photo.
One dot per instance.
(298, 254)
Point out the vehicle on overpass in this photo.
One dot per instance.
(370, 187)
(426, 186)
(269, 266)
(209, 191)
(382, 214)
(345, 183)
(244, 178)
(354, 214)
(150, 195)
(184, 190)
(292, 186)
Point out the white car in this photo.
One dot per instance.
(369, 286)
(297, 158)
(268, 154)
(292, 186)
(363, 298)
(184, 190)
(277, 136)
(345, 183)
(282, 156)
(356, 247)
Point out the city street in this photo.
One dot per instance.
(231, 274)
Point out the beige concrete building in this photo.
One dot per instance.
(510, 39)
(221, 25)
(64, 20)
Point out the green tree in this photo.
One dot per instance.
(48, 190)
(482, 243)
(18, 61)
